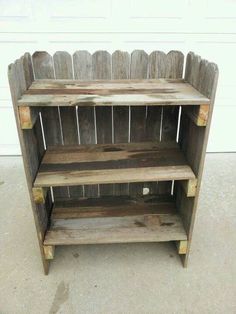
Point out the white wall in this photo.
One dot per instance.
(207, 27)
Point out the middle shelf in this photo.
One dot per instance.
(112, 163)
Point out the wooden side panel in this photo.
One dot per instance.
(20, 76)
(193, 139)
(101, 70)
(121, 70)
(138, 70)
(43, 69)
(82, 61)
(63, 70)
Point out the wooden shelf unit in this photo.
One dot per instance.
(113, 145)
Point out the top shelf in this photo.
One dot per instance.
(112, 92)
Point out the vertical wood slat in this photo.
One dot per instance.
(121, 70)
(20, 76)
(156, 69)
(43, 69)
(138, 70)
(101, 70)
(63, 70)
(193, 139)
(82, 61)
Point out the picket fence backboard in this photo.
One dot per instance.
(206, 27)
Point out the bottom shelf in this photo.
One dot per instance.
(114, 220)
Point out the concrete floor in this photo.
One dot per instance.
(133, 278)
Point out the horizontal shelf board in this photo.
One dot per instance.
(109, 93)
(112, 206)
(112, 163)
(115, 220)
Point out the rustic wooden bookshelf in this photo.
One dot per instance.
(113, 145)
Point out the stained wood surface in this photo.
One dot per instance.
(203, 75)
(44, 69)
(20, 77)
(101, 61)
(63, 70)
(115, 220)
(121, 70)
(160, 92)
(115, 163)
(83, 71)
(113, 206)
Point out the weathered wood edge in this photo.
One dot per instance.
(14, 86)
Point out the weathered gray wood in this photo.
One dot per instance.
(193, 139)
(63, 70)
(143, 228)
(138, 70)
(116, 163)
(156, 70)
(15, 76)
(173, 70)
(101, 68)
(121, 70)
(113, 206)
(82, 61)
(165, 92)
(44, 69)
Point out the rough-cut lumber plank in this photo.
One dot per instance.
(116, 163)
(63, 70)
(189, 187)
(198, 114)
(39, 195)
(138, 70)
(193, 139)
(83, 71)
(115, 230)
(31, 157)
(113, 206)
(182, 246)
(156, 67)
(134, 93)
(121, 70)
(28, 117)
(101, 68)
(49, 251)
(44, 69)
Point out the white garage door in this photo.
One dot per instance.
(206, 27)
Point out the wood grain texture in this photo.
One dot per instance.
(44, 69)
(30, 157)
(114, 93)
(193, 139)
(101, 68)
(83, 71)
(63, 70)
(121, 70)
(113, 206)
(116, 163)
(138, 70)
(115, 220)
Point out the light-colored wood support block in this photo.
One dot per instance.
(39, 195)
(182, 246)
(199, 114)
(189, 187)
(28, 117)
(49, 251)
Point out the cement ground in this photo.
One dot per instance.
(127, 278)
